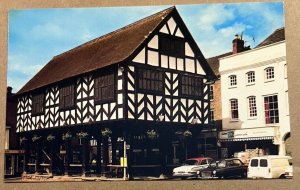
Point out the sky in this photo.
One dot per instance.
(37, 35)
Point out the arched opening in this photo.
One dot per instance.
(287, 141)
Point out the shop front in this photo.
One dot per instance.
(265, 140)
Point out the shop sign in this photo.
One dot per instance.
(247, 133)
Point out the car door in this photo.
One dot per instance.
(263, 168)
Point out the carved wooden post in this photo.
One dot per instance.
(83, 136)
(38, 153)
(98, 158)
(51, 140)
(67, 138)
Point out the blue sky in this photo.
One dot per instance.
(37, 35)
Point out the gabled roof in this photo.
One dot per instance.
(214, 62)
(276, 36)
(112, 48)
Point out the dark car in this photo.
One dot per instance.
(226, 168)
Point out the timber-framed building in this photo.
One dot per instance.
(144, 84)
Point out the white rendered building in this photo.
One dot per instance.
(254, 90)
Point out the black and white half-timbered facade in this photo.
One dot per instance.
(144, 85)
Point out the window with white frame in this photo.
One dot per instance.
(252, 106)
(211, 92)
(269, 73)
(234, 109)
(250, 77)
(271, 109)
(232, 81)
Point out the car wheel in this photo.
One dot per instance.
(282, 176)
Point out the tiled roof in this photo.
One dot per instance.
(276, 36)
(214, 62)
(110, 49)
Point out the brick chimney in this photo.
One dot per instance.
(237, 44)
(9, 90)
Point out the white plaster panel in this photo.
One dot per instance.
(164, 29)
(190, 65)
(172, 62)
(180, 64)
(172, 25)
(188, 50)
(164, 61)
(140, 58)
(179, 33)
(154, 42)
(153, 58)
(200, 69)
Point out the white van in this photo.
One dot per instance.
(272, 166)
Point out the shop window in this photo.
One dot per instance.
(234, 109)
(252, 106)
(105, 88)
(271, 109)
(191, 86)
(38, 104)
(150, 80)
(66, 97)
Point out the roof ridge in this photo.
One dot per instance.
(113, 32)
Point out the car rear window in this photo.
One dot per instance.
(254, 163)
(263, 163)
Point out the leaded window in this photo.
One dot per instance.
(150, 80)
(38, 104)
(67, 97)
(105, 87)
(171, 45)
(191, 86)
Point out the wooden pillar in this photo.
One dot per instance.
(128, 138)
(84, 154)
(105, 152)
(113, 148)
(98, 158)
(68, 150)
(51, 140)
(162, 151)
(25, 142)
(38, 155)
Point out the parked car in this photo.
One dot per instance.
(272, 166)
(191, 167)
(225, 168)
(243, 156)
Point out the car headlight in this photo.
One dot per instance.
(214, 172)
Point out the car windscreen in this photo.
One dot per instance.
(190, 162)
(218, 164)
